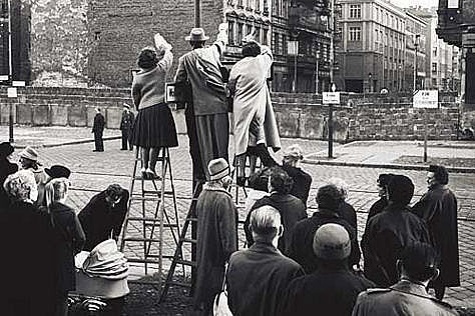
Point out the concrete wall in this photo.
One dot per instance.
(360, 117)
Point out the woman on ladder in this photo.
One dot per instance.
(154, 126)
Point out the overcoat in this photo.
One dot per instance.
(6, 168)
(248, 86)
(438, 208)
(302, 182)
(216, 241)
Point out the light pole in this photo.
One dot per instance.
(197, 13)
(416, 44)
(10, 72)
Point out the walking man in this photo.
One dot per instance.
(126, 125)
(438, 208)
(98, 129)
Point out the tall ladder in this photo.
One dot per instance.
(179, 258)
(148, 216)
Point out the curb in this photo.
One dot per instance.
(384, 166)
(74, 142)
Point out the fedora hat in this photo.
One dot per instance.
(331, 242)
(6, 149)
(29, 153)
(58, 171)
(218, 169)
(197, 34)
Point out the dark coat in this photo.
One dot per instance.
(438, 208)
(6, 168)
(301, 246)
(101, 222)
(257, 279)
(302, 182)
(291, 210)
(69, 239)
(26, 264)
(377, 207)
(99, 122)
(385, 237)
(325, 292)
(127, 121)
(216, 241)
(348, 213)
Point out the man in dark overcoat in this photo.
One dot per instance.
(258, 277)
(98, 129)
(438, 208)
(126, 125)
(207, 112)
(217, 234)
(389, 232)
(103, 216)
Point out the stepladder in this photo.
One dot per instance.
(151, 227)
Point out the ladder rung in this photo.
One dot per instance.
(136, 239)
(158, 256)
(145, 198)
(151, 192)
(164, 225)
(144, 282)
(186, 262)
(193, 241)
(183, 284)
(192, 219)
(141, 260)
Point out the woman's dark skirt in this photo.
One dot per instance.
(154, 127)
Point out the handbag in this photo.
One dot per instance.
(220, 302)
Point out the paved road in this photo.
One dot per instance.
(94, 171)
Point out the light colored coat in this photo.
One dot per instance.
(248, 85)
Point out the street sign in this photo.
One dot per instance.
(12, 92)
(426, 99)
(4, 77)
(331, 97)
(293, 48)
(17, 83)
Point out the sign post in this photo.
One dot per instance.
(330, 98)
(426, 99)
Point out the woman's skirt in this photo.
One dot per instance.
(154, 127)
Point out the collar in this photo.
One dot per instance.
(321, 212)
(265, 247)
(410, 287)
(207, 187)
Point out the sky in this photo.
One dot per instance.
(422, 3)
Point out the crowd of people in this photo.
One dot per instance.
(40, 233)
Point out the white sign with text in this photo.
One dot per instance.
(426, 99)
(331, 97)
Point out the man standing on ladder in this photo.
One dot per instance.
(217, 234)
(199, 82)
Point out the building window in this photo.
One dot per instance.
(231, 32)
(355, 33)
(264, 36)
(258, 5)
(435, 51)
(239, 34)
(355, 11)
(434, 67)
(452, 4)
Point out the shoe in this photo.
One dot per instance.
(152, 175)
(123, 149)
(95, 150)
(144, 174)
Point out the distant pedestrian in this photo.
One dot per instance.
(154, 126)
(29, 161)
(6, 168)
(328, 200)
(55, 172)
(68, 240)
(291, 208)
(98, 129)
(389, 232)
(103, 216)
(126, 126)
(438, 208)
(379, 205)
(302, 180)
(345, 210)
(258, 277)
(217, 234)
(417, 265)
(333, 288)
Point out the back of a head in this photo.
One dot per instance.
(331, 242)
(384, 179)
(341, 185)
(147, 58)
(400, 190)
(56, 189)
(259, 180)
(265, 221)
(114, 191)
(329, 197)
(251, 49)
(280, 180)
(21, 185)
(419, 261)
(440, 174)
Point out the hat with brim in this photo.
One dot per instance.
(6, 149)
(331, 242)
(218, 169)
(29, 153)
(58, 171)
(197, 34)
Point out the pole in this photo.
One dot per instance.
(197, 13)
(415, 62)
(425, 135)
(10, 72)
(294, 82)
(330, 131)
(316, 74)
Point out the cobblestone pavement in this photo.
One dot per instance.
(94, 171)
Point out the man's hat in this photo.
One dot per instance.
(125, 105)
(331, 242)
(197, 34)
(29, 153)
(58, 171)
(6, 149)
(218, 169)
(294, 152)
